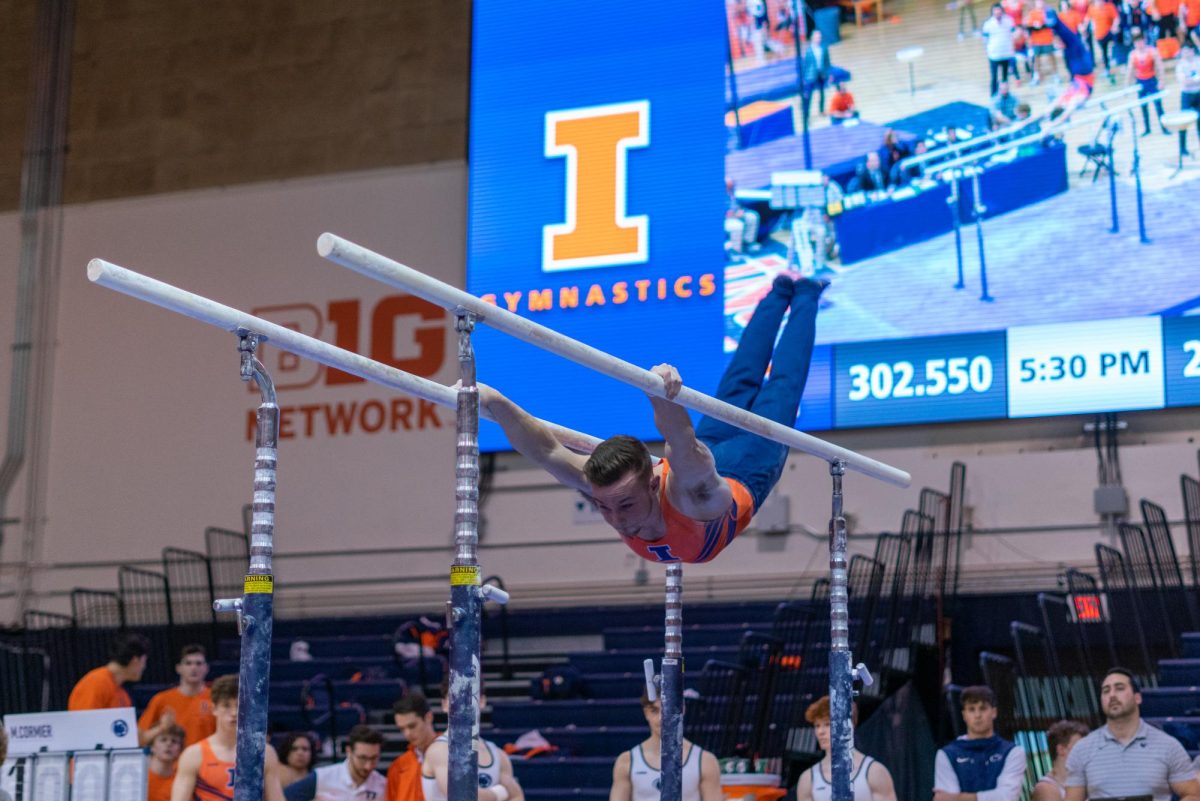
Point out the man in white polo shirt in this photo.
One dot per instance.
(1127, 756)
(355, 779)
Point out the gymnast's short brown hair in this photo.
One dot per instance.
(616, 457)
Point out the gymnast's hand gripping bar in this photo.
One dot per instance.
(393, 273)
(232, 320)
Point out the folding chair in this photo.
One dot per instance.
(1099, 153)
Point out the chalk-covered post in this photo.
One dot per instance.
(465, 596)
(840, 673)
(256, 607)
(672, 688)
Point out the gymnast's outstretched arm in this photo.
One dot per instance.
(534, 440)
(693, 485)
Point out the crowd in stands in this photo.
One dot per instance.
(191, 735)
(1123, 41)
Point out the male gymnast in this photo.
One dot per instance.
(691, 504)
(1080, 63)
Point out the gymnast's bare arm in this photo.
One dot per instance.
(534, 440)
(693, 485)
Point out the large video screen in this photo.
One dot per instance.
(621, 151)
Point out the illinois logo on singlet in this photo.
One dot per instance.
(689, 540)
(214, 782)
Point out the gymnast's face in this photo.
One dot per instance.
(653, 713)
(630, 504)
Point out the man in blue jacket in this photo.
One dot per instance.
(980, 765)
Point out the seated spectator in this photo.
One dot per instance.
(893, 149)
(841, 105)
(869, 780)
(741, 224)
(1127, 756)
(903, 176)
(164, 753)
(1004, 106)
(870, 176)
(1024, 112)
(297, 753)
(1060, 739)
(354, 778)
(980, 765)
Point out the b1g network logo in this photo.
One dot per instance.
(598, 231)
(400, 331)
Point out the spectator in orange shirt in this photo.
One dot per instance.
(1166, 17)
(1103, 15)
(164, 753)
(1072, 18)
(189, 704)
(1189, 21)
(1041, 41)
(103, 688)
(841, 106)
(414, 718)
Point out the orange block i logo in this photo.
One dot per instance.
(597, 231)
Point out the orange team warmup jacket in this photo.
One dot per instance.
(194, 713)
(1071, 18)
(98, 689)
(160, 787)
(1103, 16)
(404, 778)
(1038, 36)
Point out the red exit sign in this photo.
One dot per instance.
(1089, 608)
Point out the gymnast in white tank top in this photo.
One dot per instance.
(647, 780)
(489, 769)
(637, 773)
(1060, 739)
(869, 780)
(822, 790)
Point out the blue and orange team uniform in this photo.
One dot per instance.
(1078, 58)
(749, 463)
(1144, 71)
(689, 540)
(214, 781)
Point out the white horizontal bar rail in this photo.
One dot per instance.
(1046, 133)
(1053, 129)
(230, 319)
(390, 272)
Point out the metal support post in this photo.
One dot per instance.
(979, 210)
(956, 218)
(255, 609)
(672, 688)
(840, 675)
(1112, 181)
(465, 595)
(1137, 181)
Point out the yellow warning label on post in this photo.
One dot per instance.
(464, 574)
(259, 585)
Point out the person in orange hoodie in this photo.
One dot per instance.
(1041, 40)
(164, 753)
(414, 719)
(104, 687)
